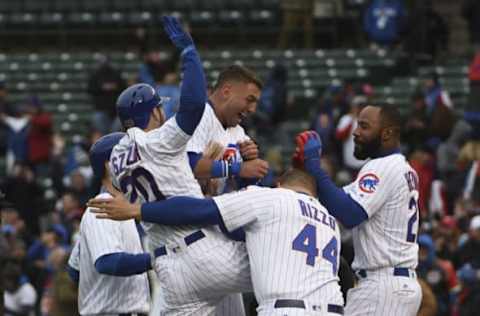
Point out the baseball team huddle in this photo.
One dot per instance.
(210, 232)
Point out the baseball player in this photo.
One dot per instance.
(381, 206)
(234, 96)
(197, 267)
(108, 260)
(292, 241)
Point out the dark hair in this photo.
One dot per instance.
(238, 73)
(390, 117)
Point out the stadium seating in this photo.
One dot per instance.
(59, 79)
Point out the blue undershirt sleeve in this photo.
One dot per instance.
(123, 264)
(338, 203)
(73, 274)
(182, 210)
(193, 159)
(193, 93)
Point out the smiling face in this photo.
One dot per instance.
(239, 100)
(368, 134)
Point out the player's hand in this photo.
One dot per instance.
(256, 168)
(116, 208)
(179, 37)
(248, 150)
(308, 147)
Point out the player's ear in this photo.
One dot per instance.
(226, 90)
(387, 134)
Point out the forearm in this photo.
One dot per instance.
(206, 168)
(123, 264)
(181, 210)
(202, 167)
(338, 203)
(193, 94)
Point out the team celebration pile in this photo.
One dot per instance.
(334, 174)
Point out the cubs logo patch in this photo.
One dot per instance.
(230, 153)
(368, 183)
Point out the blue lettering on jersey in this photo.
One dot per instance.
(317, 215)
(412, 181)
(118, 162)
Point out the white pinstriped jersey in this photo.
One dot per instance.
(104, 294)
(74, 259)
(152, 166)
(210, 129)
(387, 188)
(292, 242)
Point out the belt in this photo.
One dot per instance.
(331, 308)
(190, 239)
(132, 314)
(405, 272)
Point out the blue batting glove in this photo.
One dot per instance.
(313, 146)
(179, 37)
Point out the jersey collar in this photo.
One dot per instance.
(386, 153)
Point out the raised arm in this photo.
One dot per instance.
(193, 93)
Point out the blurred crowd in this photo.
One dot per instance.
(40, 221)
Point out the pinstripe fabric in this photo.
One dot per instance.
(381, 294)
(381, 241)
(193, 279)
(210, 129)
(162, 153)
(272, 219)
(231, 305)
(103, 294)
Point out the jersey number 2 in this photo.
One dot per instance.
(306, 241)
(413, 204)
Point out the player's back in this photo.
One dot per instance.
(100, 293)
(152, 166)
(387, 188)
(294, 250)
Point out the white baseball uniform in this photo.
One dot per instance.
(101, 294)
(293, 246)
(211, 129)
(194, 278)
(386, 252)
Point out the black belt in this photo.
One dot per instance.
(405, 272)
(331, 308)
(190, 239)
(131, 314)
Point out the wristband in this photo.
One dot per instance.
(234, 168)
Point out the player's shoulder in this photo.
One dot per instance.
(88, 215)
(208, 117)
(169, 127)
(395, 161)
